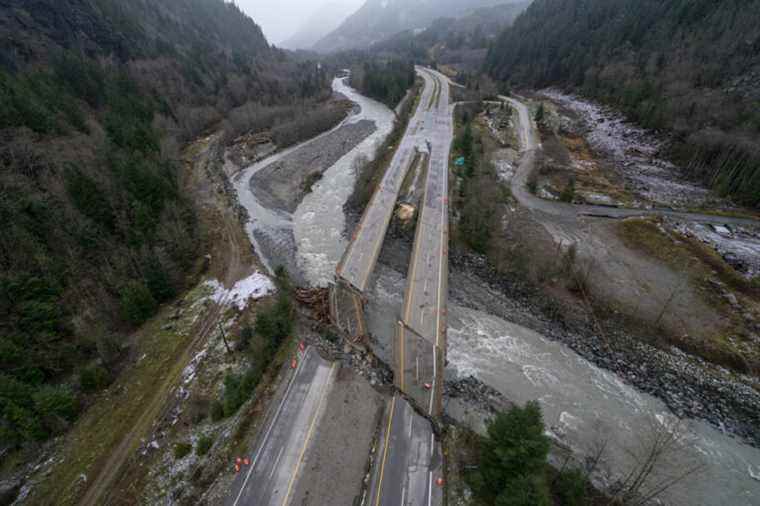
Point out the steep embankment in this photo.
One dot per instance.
(95, 98)
(685, 66)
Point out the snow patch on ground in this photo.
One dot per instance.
(739, 246)
(253, 287)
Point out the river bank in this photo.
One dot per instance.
(498, 338)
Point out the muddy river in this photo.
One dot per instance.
(582, 403)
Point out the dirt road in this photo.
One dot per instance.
(530, 144)
(233, 261)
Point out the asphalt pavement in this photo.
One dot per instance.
(425, 300)
(276, 460)
(408, 461)
(361, 255)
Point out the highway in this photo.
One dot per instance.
(529, 143)
(425, 299)
(278, 455)
(360, 257)
(408, 461)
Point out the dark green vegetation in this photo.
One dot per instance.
(98, 230)
(512, 465)
(691, 67)
(385, 81)
(273, 326)
(460, 43)
(480, 193)
(182, 450)
(204, 445)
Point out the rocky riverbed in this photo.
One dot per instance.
(283, 183)
(635, 153)
(689, 386)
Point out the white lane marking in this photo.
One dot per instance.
(271, 426)
(276, 462)
(326, 385)
(435, 375)
(430, 487)
(403, 496)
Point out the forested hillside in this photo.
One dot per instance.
(378, 20)
(96, 96)
(385, 81)
(461, 42)
(691, 67)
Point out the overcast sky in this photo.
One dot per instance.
(281, 18)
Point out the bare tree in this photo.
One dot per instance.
(655, 467)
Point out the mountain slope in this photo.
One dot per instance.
(323, 21)
(377, 20)
(461, 43)
(95, 98)
(691, 67)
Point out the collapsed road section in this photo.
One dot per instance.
(422, 329)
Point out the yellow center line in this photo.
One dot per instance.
(405, 162)
(385, 452)
(308, 437)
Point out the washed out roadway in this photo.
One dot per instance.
(425, 300)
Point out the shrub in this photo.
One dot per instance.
(233, 396)
(217, 411)
(137, 303)
(20, 421)
(55, 401)
(570, 487)
(182, 450)
(525, 490)
(310, 181)
(568, 193)
(540, 113)
(238, 389)
(204, 445)
(246, 334)
(94, 378)
(513, 459)
(275, 324)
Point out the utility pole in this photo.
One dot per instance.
(224, 338)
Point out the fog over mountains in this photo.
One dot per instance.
(326, 18)
(377, 20)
